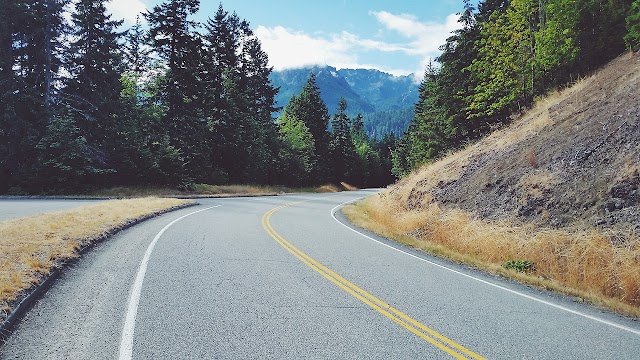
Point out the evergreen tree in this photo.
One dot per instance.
(430, 131)
(454, 81)
(239, 99)
(221, 42)
(505, 69)
(504, 55)
(65, 160)
(632, 38)
(8, 85)
(260, 95)
(182, 89)
(136, 50)
(297, 153)
(93, 89)
(148, 158)
(384, 147)
(601, 25)
(309, 108)
(38, 27)
(343, 152)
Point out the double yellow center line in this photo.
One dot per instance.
(441, 342)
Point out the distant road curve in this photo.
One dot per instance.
(281, 278)
(15, 208)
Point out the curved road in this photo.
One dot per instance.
(281, 278)
(15, 208)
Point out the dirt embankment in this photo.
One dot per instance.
(574, 160)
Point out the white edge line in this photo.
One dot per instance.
(126, 341)
(621, 327)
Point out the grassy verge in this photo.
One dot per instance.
(31, 247)
(589, 265)
(205, 190)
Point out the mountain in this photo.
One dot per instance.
(385, 100)
(385, 91)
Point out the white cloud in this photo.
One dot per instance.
(294, 49)
(424, 38)
(126, 9)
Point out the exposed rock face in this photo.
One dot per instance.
(578, 165)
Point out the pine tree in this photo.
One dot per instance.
(224, 94)
(260, 95)
(182, 89)
(93, 90)
(65, 161)
(136, 51)
(239, 99)
(37, 50)
(454, 80)
(295, 159)
(343, 152)
(8, 85)
(309, 108)
(632, 38)
(145, 154)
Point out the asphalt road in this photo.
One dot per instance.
(280, 278)
(15, 208)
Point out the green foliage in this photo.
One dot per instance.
(632, 39)
(522, 266)
(170, 106)
(381, 123)
(504, 70)
(343, 152)
(505, 55)
(92, 92)
(309, 108)
(556, 43)
(65, 160)
(136, 51)
(296, 156)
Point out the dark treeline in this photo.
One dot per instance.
(505, 55)
(84, 106)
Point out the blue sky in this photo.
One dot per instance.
(399, 36)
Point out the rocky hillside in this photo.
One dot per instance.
(572, 161)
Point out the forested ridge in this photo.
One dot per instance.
(505, 55)
(385, 101)
(84, 105)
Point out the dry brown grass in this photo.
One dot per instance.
(587, 264)
(198, 190)
(31, 247)
(332, 188)
(530, 160)
(206, 190)
(235, 190)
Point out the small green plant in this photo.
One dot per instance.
(522, 266)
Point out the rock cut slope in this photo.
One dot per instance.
(571, 161)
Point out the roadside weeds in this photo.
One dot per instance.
(587, 265)
(196, 191)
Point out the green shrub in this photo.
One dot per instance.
(522, 266)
